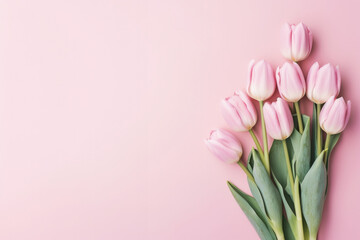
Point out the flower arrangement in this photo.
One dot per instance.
(288, 180)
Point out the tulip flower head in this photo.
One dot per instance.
(290, 82)
(260, 80)
(335, 115)
(239, 112)
(322, 83)
(224, 145)
(278, 119)
(296, 41)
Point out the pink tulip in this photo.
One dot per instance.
(278, 119)
(290, 81)
(322, 83)
(224, 145)
(335, 115)
(239, 112)
(296, 41)
(260, 80)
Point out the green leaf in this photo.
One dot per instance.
(303, 151)
(277, 155)
(259, 199)
(277, 162)
(333, 140)
(252, 211)
(250, 163)
(255, 190)
(270, 194)
(287, 231)
(289, 207)
(293, 142)
(299, 147)
(257, 195)
(313, 194)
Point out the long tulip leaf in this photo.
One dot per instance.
(289, 207)
(303, 151)
(313, 194)
(269, 192)
(253, 212)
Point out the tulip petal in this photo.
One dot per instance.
(227, 139)
(292, 87)
(300, 76)
(242, 110)
(334, 123)
(299, 43)
(272, 121)
(335, 115)
(311, 79)
(338, 80)
(249, 105)
(348, 111)
(261, 81)
(310, 39)
(326, 109)
(347, 117)
(231, 116)
(271, 83)
(224, 145)
(284, 117)
(221, 152)
(325, 85)
(239, 112)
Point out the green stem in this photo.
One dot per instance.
(279, 235)
(266, 152)
(298, 114)
(319, 138)
(248, 174)
(295, 194)
(258, 146)
(327, 144)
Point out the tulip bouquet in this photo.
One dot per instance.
(288, 181)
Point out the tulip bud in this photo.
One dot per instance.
(239, 112)
(260, 80)
(296, 41)
(290, 82)
(322, 83)
(278, 119)
(335, 115)
(224, 145)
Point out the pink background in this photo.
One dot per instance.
(104, 106)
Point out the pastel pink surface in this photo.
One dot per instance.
(104, 106)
